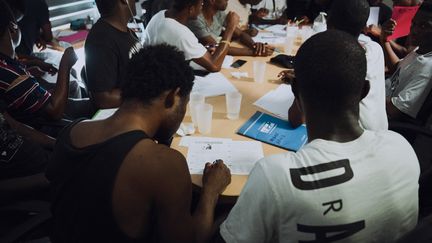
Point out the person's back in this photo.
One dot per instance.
(114, 183)
(347, 184)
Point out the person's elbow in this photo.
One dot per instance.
(53, 112)
(214, 69)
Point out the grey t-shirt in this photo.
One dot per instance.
(201, 28)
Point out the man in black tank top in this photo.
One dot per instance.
(114, 183)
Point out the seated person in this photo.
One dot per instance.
(209, 26)
(108, 48)
(36, 66)
(269, 12)
(372, 107)
(385, 13)
(169, 27)
(35, 27)
(401, 46)
(143, 192)
(23, 96)
(347, 184)
(306, 10)
(243, 9)
(411, 81)
(23, 150)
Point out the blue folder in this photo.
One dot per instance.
(274, 131)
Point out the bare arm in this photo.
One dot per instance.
(173, 206)
(108, 99)
(393, 113)
(56, 106)
(213, 62)
(30, 133)
(391, 58)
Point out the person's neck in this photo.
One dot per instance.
(208, 12)
(6, 47)
(118, 21)
(180, 16)
(135, 117)
(339, 128)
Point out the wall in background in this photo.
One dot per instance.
(64, 11)
(388, 2)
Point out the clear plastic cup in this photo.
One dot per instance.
(233, 103)
(289, 45)
(204, 114)
(259, 68)
(195, 99)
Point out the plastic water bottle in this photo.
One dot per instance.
(320, 23)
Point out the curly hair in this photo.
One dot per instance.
(154, 70)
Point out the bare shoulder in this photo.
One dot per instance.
(152, 159)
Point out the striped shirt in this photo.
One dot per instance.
(20, 92)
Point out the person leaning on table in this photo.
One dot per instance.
(347, 183)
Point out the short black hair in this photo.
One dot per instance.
(349, 15)
(106, 7)
(6, 16)
(330, 72)
(154, 70)
(180, 5)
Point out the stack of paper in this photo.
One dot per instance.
(239, 156)
(373, 16)
(277, 102)
(213, 84)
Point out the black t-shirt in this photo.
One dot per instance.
(108, 51)
(35, 16)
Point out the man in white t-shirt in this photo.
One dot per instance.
(169, 27)
(347, 184)
(351, 17)
(411, 81)
(243, 9)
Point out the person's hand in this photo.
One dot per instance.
(232, 20)
(387, 29)
(41, 44)
(373, 30)
(287, 76)
(46, 67)
(262, 49)
(69, 58)
(262, 12)
(216, 177)
(252, 32)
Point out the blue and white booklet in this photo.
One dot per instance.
(274, 131)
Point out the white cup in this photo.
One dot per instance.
(289, 44)
(204, 114)
(233, 103)
(195, 99)
(259, 71)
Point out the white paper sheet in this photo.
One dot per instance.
(269, 37)
(214, 84)
(373, 16)
(278, 101)
(186, 141)
(104, 113)
(239, 156)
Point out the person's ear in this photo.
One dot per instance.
(172, 98)
(365, 90)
